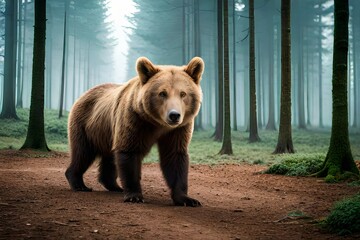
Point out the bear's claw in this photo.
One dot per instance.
(134, 198)
(187, 202)
(82, 189)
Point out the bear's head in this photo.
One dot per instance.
(170, 95)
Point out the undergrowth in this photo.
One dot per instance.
(297, 164)
(344, 217)
(310, 146)
(13, 132)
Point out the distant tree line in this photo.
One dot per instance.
(78, 53)
(258, 76)
(171, 32)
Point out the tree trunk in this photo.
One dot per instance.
(21, 21)
(184, 33)
(234, 66)
(259, 83)
(271, 121)
(226, 145)
(35, 138)
(355, 19)
(339, 157)
(23, 61)
(197, 41)
(320, 66)
(253, 136)
(63, 65)
(218, 135)
(8, 106)
(285, 144)
(301, 81)
(278, 70)
(48, 66)
(309, 89)
(74, 69)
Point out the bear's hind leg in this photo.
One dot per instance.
(108, 174)
(82, 156)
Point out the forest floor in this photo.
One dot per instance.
(238, 203)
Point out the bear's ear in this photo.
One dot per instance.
(145, 69)
(195, 69)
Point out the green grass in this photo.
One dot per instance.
(344, 217)
(203, 149)
(13, 132)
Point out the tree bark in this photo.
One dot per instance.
(218, 135)
(197, 49)
(8, 106)
(234, 66)
(355, 19)
(226, 144)
(339, 158)
(259, 84)
(301, 81)
(63, 63)
(285, 144)
(183, 25)
(48, 64)
(320, 66)
(271, 120)
(23, 61)
(35, 138)
(21, 22)
(253, 135)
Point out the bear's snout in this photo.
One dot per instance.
(173, 117)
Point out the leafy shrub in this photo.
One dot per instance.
(297, 164)
(258, 162)
(56, 127)
(13, 128)
(13, 132)
(345, 216)
(355, 183)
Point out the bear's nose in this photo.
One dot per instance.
(174, 116)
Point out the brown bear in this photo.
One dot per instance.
(120, 123)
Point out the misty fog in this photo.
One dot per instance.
(101, 41)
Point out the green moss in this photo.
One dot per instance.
(297, 164)
(330, 179)
(344, 217)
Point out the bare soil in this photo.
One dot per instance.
(238, 203)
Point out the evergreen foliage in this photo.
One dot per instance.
(344, 217)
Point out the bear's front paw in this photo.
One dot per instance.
(134, 198)
(186, 201)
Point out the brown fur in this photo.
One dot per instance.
(120, 124)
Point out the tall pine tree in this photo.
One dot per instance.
(35, 138)
(285, 144)
(339, 158)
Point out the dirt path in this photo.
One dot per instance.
(238, 203)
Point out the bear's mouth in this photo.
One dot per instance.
(173, 123)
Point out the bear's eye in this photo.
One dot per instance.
(163, 94)
(182, 94)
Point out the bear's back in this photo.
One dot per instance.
(93, 112)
